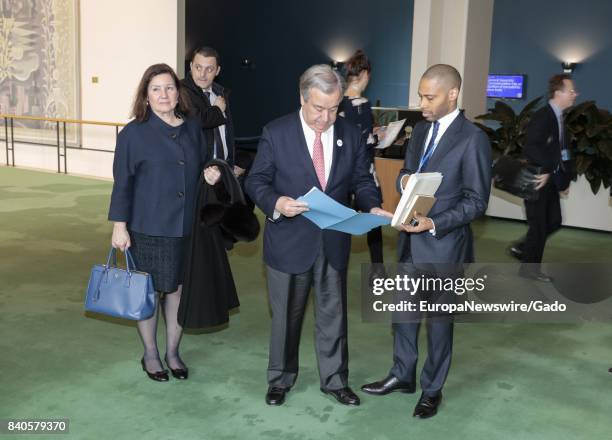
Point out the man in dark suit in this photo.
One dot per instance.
(448, 143)
(546, 146)
(305, 149)
(209, 101)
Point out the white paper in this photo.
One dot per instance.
(391, 133)
(419, 184)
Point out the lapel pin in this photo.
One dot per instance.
(339, 142)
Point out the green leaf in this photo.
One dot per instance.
(579, 111)
(504, 112)
(583, 143)
(605, 146)
(595, 183)
(582, 164)
(488, 130)
(529, 108)
(595, 130)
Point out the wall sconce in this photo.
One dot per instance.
(568, 67)
(247, 64)
(336, 65)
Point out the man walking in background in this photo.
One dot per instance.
(546, 146)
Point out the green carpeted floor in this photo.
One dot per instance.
(508, 381)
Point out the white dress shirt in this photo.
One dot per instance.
(559, 114)
(327, 139)
(445, 122)
(212, 99)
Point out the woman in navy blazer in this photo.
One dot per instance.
(158, 160)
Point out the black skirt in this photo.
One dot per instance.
(161, 257)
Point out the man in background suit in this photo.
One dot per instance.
(546, 146)
(299, 151)
(209, 101)
(448, 143)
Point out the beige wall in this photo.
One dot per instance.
(119, 40)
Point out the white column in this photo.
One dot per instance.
(455, 32)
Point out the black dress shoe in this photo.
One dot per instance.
(514, 251)
(276, 395)
(376, 271)
(345, 396)
(179, 373)
(427, 406)
(388, 385)
(535, 275)
(158, 376)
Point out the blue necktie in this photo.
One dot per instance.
(430, 147)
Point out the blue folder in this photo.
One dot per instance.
(326, 213)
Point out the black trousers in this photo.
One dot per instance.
(439, 353)
(288, 295)
(375, 245)
(406, 329)
(543, 218)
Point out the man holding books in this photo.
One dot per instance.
(445, 142)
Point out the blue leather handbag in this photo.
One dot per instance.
(122, 293)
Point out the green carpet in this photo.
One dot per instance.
(508, 381)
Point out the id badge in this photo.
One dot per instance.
(565, 154)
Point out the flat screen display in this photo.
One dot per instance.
(506, 86)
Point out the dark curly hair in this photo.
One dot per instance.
(357, 64)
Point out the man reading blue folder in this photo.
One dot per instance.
(326, 213)
(310, 147)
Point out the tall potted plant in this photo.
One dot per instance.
(508, 137)
(590, 130)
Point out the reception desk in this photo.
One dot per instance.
(387, 171)
(390, 161)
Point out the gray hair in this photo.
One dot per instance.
(322, 77)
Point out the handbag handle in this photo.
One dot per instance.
(112, 254)
(128, 259)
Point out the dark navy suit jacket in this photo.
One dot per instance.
(211, 116)
(283, 167)
(542, 145)
(156, 170)
(463, 156)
